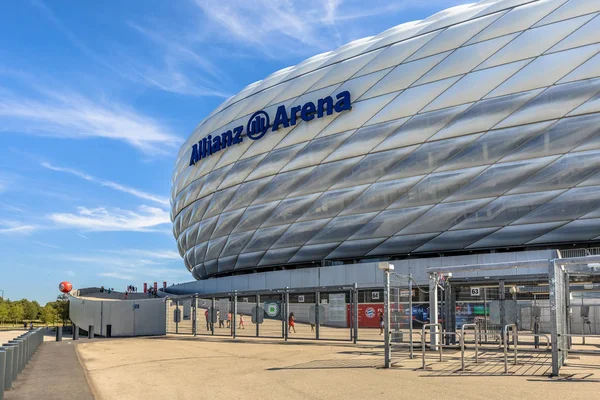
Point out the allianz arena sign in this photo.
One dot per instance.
(260, 122)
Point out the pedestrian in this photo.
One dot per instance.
(24, 324)
(126, 293)
(221, 321)
(292, 323)
(31, 325)
(381, 323)
(312, 327)
(241, 326)
(207, 323)
(229, 320)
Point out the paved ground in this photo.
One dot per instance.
(53, 373)
(219, 368)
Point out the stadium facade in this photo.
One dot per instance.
(474, 131)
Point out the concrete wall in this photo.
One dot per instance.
(127, 317)
(364, 274)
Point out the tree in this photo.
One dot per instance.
(16, 312)
(61, 305)
(4, 310)
(49, 314)
(31, 309)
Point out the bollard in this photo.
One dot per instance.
(15, 358)
(91, 332)
(2, 372)
(75, 332)
(20, 348)
(8, 376)
(59, 333)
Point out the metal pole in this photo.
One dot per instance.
(355, 312)
(433, 311)
(213, 305)
(177, 312)
(258, 310)
(234, 317)
(287, 313)
(317, 316)
(410, 315)
(485, 313)
(283, 318)
(194, 315)
(386, 317)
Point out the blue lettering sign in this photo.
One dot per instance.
(260, 122)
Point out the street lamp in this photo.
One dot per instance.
(2, 290)
(386, 267)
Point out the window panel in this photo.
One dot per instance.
(354, 248)
(389, 222)
(428, 157)
(275, 161)
(421, 127)
(254, 216)
(316, 151)
(436, 187)
(313, 253)
(300, 233)
(500, 178)
(323, 177)
(341, 228)
(380, 195)
(443, 216)
(506, 209)
(495, 144)
(585, 35)
(219, 200)
(246, 193)
(264, 238)
(365, 139)
(281, 185)
(514, 235)
(401, 244)
(332, 203)
(249, 260)
(568, 206)
(454, 240)
(227, 221)
(485, 114)
(566, 172)
(290, 209)
(235, 243)
(279, 256)
(214, 248)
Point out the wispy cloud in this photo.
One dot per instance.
(117, 275)
(153, 254)
(145, 219)
(50, 246)
(65, 114)
(113, 185)
(16, 228)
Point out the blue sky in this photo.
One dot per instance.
(95, 100)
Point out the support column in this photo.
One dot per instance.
(355, 312)
(234, 316)
(410, 316)
(386, 318)
(433, 311)
(286, 314)
(258, 311)
(317, 316)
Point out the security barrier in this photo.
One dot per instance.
(15, 355)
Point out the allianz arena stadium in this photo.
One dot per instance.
(476, 130)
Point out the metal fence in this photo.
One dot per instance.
(325, 313)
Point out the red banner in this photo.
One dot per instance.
(368, 315)
(145, 288)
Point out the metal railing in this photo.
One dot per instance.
(513, 328)
(462, 344)
(15, 355)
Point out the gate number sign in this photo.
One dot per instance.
(475, 291)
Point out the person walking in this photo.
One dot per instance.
(221, 320)
(292, 323)
(381, 323)
(229, 320)
(241, 326)
(207, 320)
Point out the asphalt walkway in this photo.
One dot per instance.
(54, 372)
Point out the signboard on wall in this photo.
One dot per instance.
(337, 307)
(475, 291)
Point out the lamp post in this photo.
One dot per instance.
(2, 290)
(386, 267)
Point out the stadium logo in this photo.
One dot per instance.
(260, 122)
(258, 125)
(370, 312)
(272, 309)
